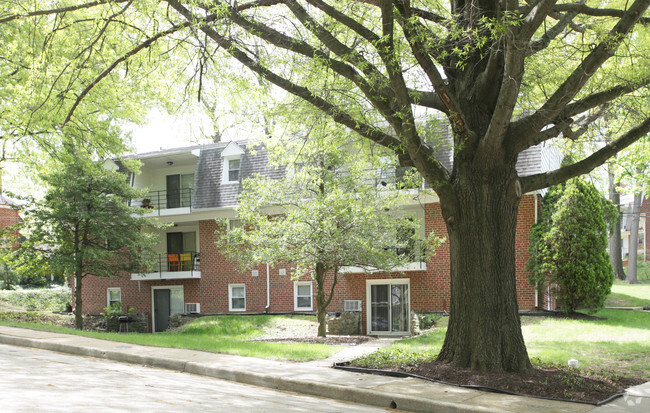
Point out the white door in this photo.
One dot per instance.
(388, 306)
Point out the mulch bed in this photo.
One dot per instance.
(551, 383)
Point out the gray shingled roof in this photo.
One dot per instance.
(210, 192)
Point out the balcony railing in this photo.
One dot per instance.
(414, 251)
(165, 199)
(186, 264)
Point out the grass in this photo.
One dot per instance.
(643, 270)
(629, 295)
(620, 344)
(44, 299)
(219, 334)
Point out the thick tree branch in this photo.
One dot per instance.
(346, 20)
(545, 180)
(383, 100)
(534, 18)
(412, 33)
(564, 119)
(59, 10)
(527, 128)
(582, 8)
(543, 42)
(147, 43)
(490, 145)
(337, 114)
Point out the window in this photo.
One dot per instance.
(231, 156)
(302, 293)
(234, 223)
(233, 170)
(237, 297)
(179, 190)
(114, 296)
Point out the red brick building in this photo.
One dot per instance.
(9, 212)
(191, 187)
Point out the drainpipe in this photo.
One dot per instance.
(268, 291)
(536, 285)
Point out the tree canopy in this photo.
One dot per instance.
(84, 225)
(506, 75)
(329, 212)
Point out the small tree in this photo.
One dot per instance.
(323, 216)
(83, 226)
(569, 245)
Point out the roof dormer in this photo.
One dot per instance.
(231, 156)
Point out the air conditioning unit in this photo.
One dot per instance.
(352, 305)
(192, 308)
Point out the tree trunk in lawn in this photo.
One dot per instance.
(321, 301)
(78, 316)
(635, 214)
(484, 329)
(615, 253)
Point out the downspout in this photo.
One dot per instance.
(537, 285)
(268, 291)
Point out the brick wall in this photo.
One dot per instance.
(8, 216)
(429, 290)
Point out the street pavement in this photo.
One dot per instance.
(317, 379)
(35, 380)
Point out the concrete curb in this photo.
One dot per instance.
(329, 390)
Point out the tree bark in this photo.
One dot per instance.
(634, 239)
(484, 328)
(321, 302)
(78, 315)
(615, 250)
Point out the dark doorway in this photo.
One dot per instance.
(174, 242)
(173, 191)
(161, 309)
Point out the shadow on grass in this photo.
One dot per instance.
(625, 300)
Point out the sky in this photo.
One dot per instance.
(163, 131)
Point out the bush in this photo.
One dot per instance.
(46, 299)
(428, 320)
(9, 279)
(569, 246)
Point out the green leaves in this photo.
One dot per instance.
(568, 246)
(83, 225)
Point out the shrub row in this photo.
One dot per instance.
(45, 299)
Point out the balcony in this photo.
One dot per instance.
(183, 266)
(415, 255)
(165, 202)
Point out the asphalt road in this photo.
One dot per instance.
(33, 380)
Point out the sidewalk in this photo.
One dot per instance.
(317, 378)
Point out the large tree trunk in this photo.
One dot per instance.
(78, 315)
(634, 239)
(484, 328)
(615, 250)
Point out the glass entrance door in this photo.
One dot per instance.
(389, 308)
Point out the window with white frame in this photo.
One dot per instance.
(302, 296)
(237, 297)
(231, 156)
(233, 170)
(234, 223)
(114, 296)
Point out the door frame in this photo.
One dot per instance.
(153, 301)
(385, 281)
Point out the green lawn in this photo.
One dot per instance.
(220, 334)
(629, 295)
(620, 344)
